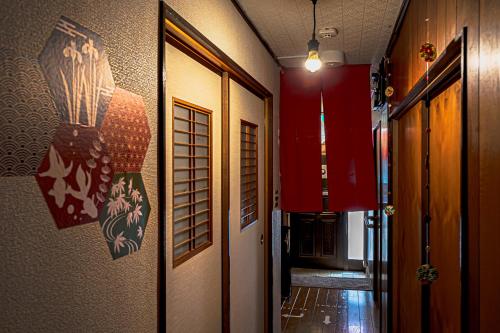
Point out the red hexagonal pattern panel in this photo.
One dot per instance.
(126, 131)
(75, 175)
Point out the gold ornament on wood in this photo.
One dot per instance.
(428, 52)
(389, 91)
(389, 210)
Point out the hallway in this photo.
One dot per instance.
(250, 166)
(317, 310)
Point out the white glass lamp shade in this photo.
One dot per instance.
(313, 62)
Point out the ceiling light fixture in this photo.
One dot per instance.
(313, 62)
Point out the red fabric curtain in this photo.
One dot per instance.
(300, 141)
(349, 143)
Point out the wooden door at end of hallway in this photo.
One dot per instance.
(319, 240)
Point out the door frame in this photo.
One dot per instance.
(175, 30)
(377, 214)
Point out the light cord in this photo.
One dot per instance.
(314, 19)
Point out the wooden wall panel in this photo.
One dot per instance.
(407, 224)
(445, 159)
(468, 16)
(489, 178)
(440, 18)
(400, 63)
(447, 18)
(407, 67)
(451, 20)
(421, 28)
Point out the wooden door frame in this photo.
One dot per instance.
(450, 67)
(377, 255)
(175, 30)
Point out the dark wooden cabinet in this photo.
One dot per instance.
(318, 240)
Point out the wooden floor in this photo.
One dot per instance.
(328, 310)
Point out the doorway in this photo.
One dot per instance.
(327, 258)
(246, 170)
(184, 38)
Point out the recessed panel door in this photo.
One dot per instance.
(194, 265)
(246, 136)
(444, 166)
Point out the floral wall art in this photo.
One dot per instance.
(82, 138)
(125, 216)
(126, 132)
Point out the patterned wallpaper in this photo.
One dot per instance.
(78, 105)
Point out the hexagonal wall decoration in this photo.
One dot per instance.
(126, 131)
(77, 71)
(91, 167)
(75, 175)
(124, 219)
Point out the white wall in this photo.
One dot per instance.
(355, 234)
(221, 23)
(194, 287)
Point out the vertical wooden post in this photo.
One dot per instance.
(161, 165)
(226, 272)
(268, 208)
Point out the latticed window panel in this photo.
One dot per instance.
(248, 174)
(192, 180)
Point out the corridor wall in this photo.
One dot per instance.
(66, 280)
(212, 19)
(446, 20)
(406, 228)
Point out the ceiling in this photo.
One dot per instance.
(364, 26)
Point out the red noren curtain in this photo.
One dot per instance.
(349, 145)
(300, 141)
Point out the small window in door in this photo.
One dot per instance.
(192, 179)
(248, 174)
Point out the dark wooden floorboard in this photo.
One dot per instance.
(321, 310)
(287, 306)
(342, 316)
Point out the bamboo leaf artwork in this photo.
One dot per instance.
(124, 220)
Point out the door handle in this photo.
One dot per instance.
(373, 219)
(261, 239)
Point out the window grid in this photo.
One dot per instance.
(192, 176)
(248, 174)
